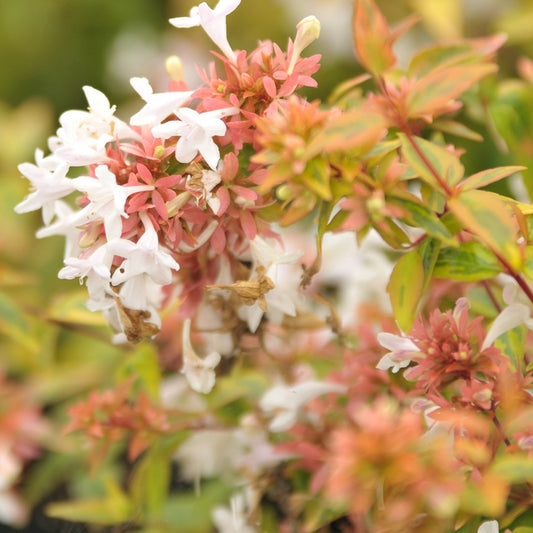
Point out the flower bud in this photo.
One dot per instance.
(308, 30)
(174, 68)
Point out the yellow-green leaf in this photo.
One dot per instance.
(114, 509)
(485, 177)
(358, 128)
(427, 158)
(487, 215)
(405, 289)
(423, 217)
(514, 468)
(316, 177)
(470, 262)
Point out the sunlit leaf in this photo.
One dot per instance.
(114, 509)
(486, 177)
(150, 482)
(405, 289)
(372, 37)
(429, 160)
(514, 468)
(470, 262)
(193, 511)
(443, 17)
(423, 217)
(436, 89)
(358, 128)
(316, 176)
(456, 128)
(487, 497)
(487, 215)
(143, 365)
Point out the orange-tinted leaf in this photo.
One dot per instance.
(456, 128)
(405, 289)
(423, 156)
(372, 37)
(437, 89)
(481, 179)
(351, 129)
(488, 216)
(461, 53)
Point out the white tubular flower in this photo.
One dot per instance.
(285, 401)
(13, 510)
(65, 224)
(213, 21)
(515, 314)
(49, 183)
(235, 518)
(108, 199)
(200, 372)
(146, 256)
(10, 467)
(82, 138)
(99, 262)
(158, 105)
(196, 132)
(401, 351)
(489, 527)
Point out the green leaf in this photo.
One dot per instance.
(464, 53)
(70, 308)
(514, 468)
(358, 128)
(143, 364)
(150, 482)
(429, 252)
(316, 177)
(512, 344)
(481, 179)
(487, 215)
(239, 384)
(424, 218)
(470, 262)
(114, 509)
(425, 158)
(192, 512)
(435, 90)
(456, 128)
(527, 267)
(405, 289)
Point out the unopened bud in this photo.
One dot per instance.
(174, 68)
(308, 30)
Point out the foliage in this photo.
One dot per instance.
(234, 361)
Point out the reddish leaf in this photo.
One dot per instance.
(488, 216)
(372, 37)
(435, 90)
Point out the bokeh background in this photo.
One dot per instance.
(49, 49)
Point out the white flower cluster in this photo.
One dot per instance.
(146, 266)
